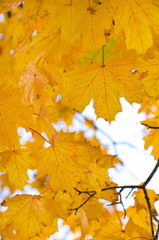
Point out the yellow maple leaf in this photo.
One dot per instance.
(134, 230)
(94, 24)
(12, 115)
(104, 83)
(8, 5)
(140, 202)
(66, 14)
(152, 140)
(136, 18)
(46, 111)
(60, 203)
(150, 80)
(80, 156)
(45, 44)
(16, 163)
(31, 82)
(153, 137)
(4, 182)
(26, 213)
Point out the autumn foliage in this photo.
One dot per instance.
(55, 57)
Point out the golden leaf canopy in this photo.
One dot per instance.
(55, 57)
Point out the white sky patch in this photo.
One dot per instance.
(46, 144)
(1, 17)
(27, 190)
(1, 36)
(31, 174)
(11, 52)
(61, 125)
(34, 33)
(25, 136)
(58, 98)
(64, 232)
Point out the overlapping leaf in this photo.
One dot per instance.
(12, 115)
(104, 83)
(26, 214)
(137, 18)
(79, 158)
(16, 162)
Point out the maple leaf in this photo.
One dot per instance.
(94, 35)
(12, 33)
(12, 115)
(66, 14)
(150, 80)
(138, 213)
(7, 6)
(46, 111)
(137, 18)
(45, 43)
(27, 214)
(31, 83)
(104, 83)
(15, 163)
(81, 156)
(152, 138)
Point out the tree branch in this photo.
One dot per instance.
(150, 210)
(151, 174)
(148, 126)
(131, 187)
(90, 196)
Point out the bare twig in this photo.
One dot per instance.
(157, 233)
(150, 209)
(151, 174)
(90, 196)
(148, 126)
(131, 187)
(119, 202)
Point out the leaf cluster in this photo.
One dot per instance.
(55, 57)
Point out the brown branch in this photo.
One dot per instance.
(148, 126)
(150, 210)
(122, 187)
(151, 174)
(90, 196)
(119, 202)
(157, 233)
(87, 192)
(131, 187)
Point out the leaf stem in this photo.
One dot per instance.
(39, 135)
(45, 191)
(103, 56)
(89, 4)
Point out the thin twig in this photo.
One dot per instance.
(151, 174)
(150, 210)
(143, 187)
(157, 233)
(77, 208)
(39, 135)
(148, 126)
